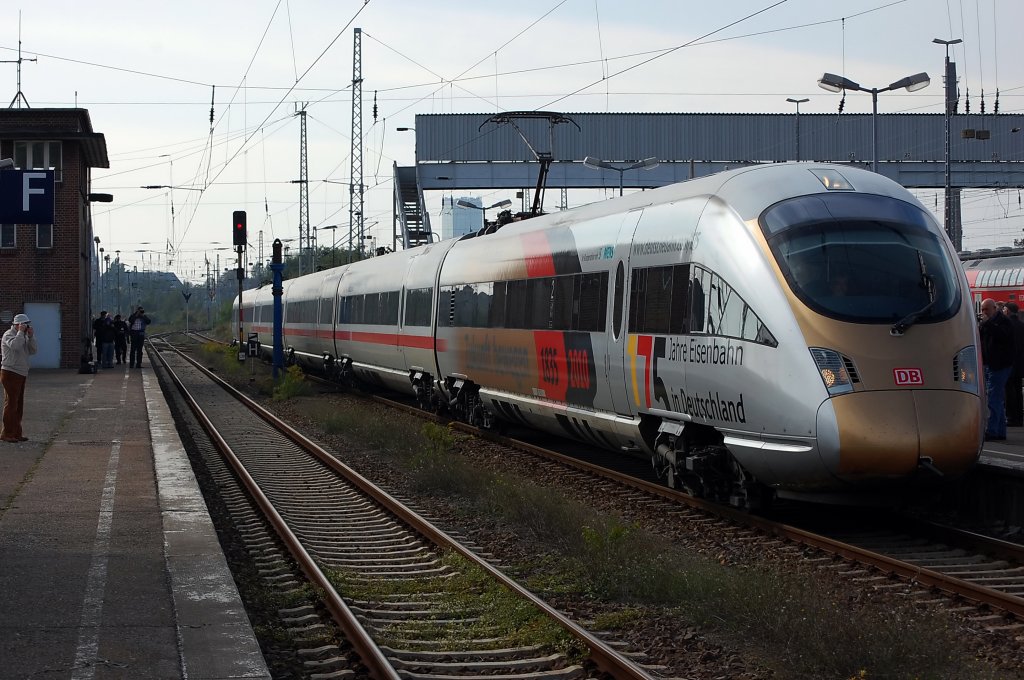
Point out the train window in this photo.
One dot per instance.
(417, 306)
(444, 307)
(1004, 277)
(650, 306)
(482, 304)
(515, 305)
(538, 303)
(389, 309)
(463, 306)
(637, 292)
(592, 303)
(700, 286)
(620, 281)
(326, 312)
(562, 302)
(862, 258)
(680, 321)
(1018, 277)
(496, 315)
(356, 309)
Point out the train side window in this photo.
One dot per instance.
(637, 294)
(482, 304)
(698, 299)
(680, 321)
(496, 314)
(1018, 277)
(620, 280)
(444, 307)
(326, 311)
(538, 303)
(658, 304)
(358, 302)
(593, 302)
(515, 304)
(562, 299)
(464, 305)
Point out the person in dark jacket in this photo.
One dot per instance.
(120, 339)
(1014, 393)
(137, 323)
(997, 353)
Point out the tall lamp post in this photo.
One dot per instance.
(834, 83)
(950, 80)
(798, 102)
(334, 240)
(119, 268)
(595, 163)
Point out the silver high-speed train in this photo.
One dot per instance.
(794, 329)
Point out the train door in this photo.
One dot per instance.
(616, 364)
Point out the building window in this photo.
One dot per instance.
(8, 236)
(39, 156)
(44, 236)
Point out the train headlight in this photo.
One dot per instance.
(965, 369)
(832, 370)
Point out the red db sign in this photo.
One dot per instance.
(908, 376)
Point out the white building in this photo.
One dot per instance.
(458, 221)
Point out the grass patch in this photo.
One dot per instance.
(292, 384)
(469, 593)
(790, 623)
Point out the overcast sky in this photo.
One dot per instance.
(146, 72)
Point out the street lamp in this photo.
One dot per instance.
(119, 268)
(798, 102)
(950, 80)
(466, 204)
(834, 83)
(646, 164)
(168, 186)
(334, 240)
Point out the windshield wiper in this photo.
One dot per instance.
(928, 283)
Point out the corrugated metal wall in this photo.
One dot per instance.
(621, 137)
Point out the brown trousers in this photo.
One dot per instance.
(14, 403)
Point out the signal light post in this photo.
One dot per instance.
(238, 238)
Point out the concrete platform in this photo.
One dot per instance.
(109, 563)
(1005, 455)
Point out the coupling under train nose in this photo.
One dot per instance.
(889, 435)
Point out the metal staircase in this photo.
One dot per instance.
(412, 223)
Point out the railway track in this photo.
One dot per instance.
(981, 571)
(412, 601)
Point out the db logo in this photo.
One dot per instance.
(908, 376)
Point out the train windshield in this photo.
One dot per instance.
(863, 258)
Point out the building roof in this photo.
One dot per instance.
(62, 124)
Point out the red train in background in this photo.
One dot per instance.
(995, 273)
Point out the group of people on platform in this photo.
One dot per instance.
(1002, 357)
(113, 336)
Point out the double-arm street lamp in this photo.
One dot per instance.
(834, 83)
(798, 102)
(500, 204)
(595, 163)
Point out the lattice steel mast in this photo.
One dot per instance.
(355, 187)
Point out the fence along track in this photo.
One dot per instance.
(331, 518)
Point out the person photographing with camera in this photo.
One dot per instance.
(17, 345)
(137, 323)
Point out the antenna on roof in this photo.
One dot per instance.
(21, 95)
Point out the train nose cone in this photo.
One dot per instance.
(885, 434)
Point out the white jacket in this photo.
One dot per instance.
(17, 347)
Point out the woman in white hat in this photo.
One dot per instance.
(18, 344)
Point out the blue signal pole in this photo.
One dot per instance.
(277, 267)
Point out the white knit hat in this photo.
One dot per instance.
(21, 318)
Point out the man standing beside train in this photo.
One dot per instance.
(997, 352)
(1014, 394)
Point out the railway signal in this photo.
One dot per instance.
(238, 234)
